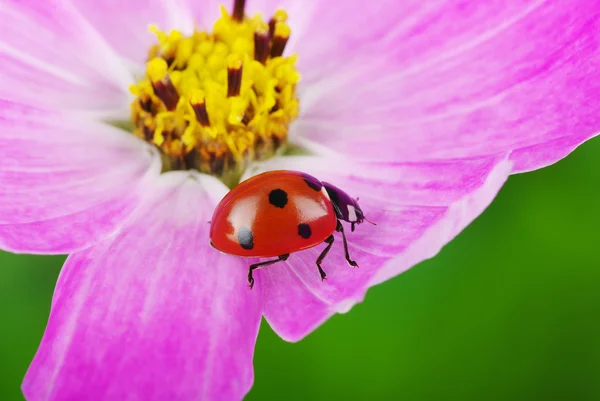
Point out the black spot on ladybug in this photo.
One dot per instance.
(278, 198)
(245, 238)
(304, 230)
(312, 182)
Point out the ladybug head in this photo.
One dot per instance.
(346, 207)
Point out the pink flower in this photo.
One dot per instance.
(420, 108)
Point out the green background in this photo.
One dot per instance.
(508, 311)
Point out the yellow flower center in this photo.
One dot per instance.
(216, 101)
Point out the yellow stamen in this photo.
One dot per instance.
(261, 43)
(234, 75)
(238, 10)
(161, 83)
(198, 103)
(280, 37)
(157, 69)
(279, 16)
(215, 101)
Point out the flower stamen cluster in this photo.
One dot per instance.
(216, 101)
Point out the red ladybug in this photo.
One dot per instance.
(280, 212)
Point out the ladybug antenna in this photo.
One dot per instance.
(369, 221)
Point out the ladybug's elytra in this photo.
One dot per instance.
(279, 212)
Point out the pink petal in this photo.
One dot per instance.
(124, 25)
(66, 183)
(51, 56)
(153, 313)
(418, 208)
(329, 34)
(464, 79)
(206, 12)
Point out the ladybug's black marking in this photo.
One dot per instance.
(333, 196)
(278, 198)
(335, 200)
(312, 182)
(245, 238)
(304, 230)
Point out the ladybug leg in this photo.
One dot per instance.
(329, 242)
(263, 264)
(340, 229)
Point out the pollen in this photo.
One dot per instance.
(215, 101)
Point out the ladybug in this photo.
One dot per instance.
(279, 212)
